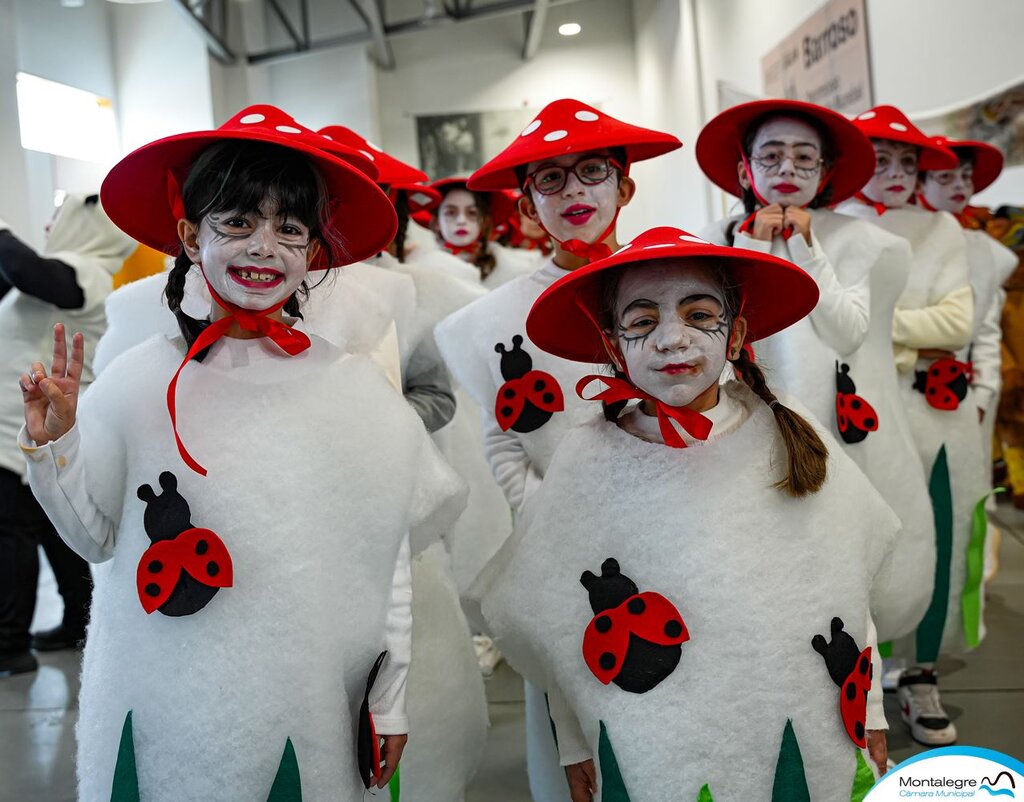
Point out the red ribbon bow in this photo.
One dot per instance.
(879, 207)
(455, 250)
(693, 423)
(289, 340)
(590, 251)
(961, 217)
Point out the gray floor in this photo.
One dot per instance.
(984, 695)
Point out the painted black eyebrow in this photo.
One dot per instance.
(795, 144)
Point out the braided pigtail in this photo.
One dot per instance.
(174, 292)
(806, 453)
(485, 261)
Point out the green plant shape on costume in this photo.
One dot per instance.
(705, 794)
(125, 787)
(970, 598)
(790, 781)
(863, 779)
(613, 788)
(287, 785)
(929, 631)
(395, 784)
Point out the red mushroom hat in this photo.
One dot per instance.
(501, 203)
(142, 193)
(888, 122)
(565, 319)
(569, 126)
(422, 198)
(988, 159)
(720, 144)
(390, 170)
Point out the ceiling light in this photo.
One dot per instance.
(569, 28)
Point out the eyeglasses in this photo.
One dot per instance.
(946, 177)
(770, 162)
(907, 163)
(591, 170)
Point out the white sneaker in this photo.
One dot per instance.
(487, 655)
(922, 710)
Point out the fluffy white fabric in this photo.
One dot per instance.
(84, 238)
(509, 263)
(938, 271)
(313, 509)
(446, 703)
(467, 340)
(696, 525)
(861, 271)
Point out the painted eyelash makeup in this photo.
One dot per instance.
(220, 235)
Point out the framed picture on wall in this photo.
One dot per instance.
(459, 143)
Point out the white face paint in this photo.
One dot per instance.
(253, 260)
(949, 190)
(785, 161)
(895, 173)
(459, 218)
(672, 329)
(578, 210)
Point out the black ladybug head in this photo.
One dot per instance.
(840, 654)
(515, 363)
(610, 589)
(167, 515)
(844, 384)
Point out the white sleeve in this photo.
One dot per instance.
(572, 744)
(387, 699)
(508, 460)
(947, 324)
(875, 719)
(743, 240)
(986, 353)
(57, 475)
(842, 315)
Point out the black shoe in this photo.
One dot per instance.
(53, 640)
(12, 663)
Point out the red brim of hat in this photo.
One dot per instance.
(988, 161)
(639, 144)
(775, 294)
(420, 197)
(136, 195)
(720, 144)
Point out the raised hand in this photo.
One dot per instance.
(769, 222)
(51, 400)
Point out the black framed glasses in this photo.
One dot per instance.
(770, 162)
(549, 179)
(907, 163)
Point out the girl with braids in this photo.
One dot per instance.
(729, 531)
(226, 598)
(464, 223)
(788, 160)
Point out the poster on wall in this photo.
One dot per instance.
(826, 60)
(997, 118)
(459, 143)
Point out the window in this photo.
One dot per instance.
(65, 121)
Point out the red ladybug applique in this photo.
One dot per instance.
(945, 383)
(855, 417)
(186, 566)
(635, 639)
(850, 669)
(528, 398)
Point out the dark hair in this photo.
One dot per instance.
(824, 198)
(239, 176)
(484, 261)
(965, 155)
(807, 455)
(402, 211)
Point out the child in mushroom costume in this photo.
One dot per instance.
(233, 542)
(625, 589)
(572, 162)
(788, 160)
(933, 320)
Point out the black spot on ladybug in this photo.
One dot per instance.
(865, 665)
(506, 411)
(859, 729)
(212, 568)
(636, 606)
(155, 566)
(851, 692)
(674, 629)
(603, 623)
(869, 421)
(509, 393)
(539, 385)
(855, 404)
(202, 547)
(549, 398)
(931, 391)
(153, 589)
(607, 661)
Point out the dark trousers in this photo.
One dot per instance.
(23, 528)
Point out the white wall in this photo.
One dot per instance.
(13, 174)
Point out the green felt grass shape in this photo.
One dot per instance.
(705, 794)
(970, 599)
(125, 787)
(790, 781)
(395, 784)
(929, 631)
(613, 788)
(863, 779)
(287, 785)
